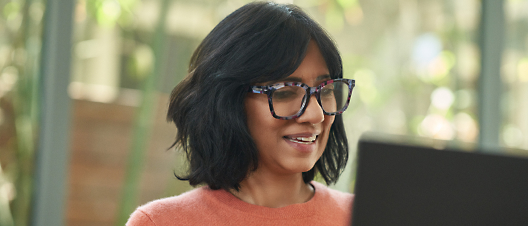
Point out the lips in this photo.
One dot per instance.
(302, 139)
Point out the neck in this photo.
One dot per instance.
(274, 191)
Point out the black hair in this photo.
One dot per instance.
(259, 42)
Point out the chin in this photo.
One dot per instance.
(305, 168)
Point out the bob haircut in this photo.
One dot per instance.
(259, 42)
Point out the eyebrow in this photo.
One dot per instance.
(297, 79)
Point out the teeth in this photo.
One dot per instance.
(303, 140)
(307, 138)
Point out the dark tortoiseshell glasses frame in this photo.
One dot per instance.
(309, 92)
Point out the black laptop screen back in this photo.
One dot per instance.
(407, 185)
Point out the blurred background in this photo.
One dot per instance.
(421, 69)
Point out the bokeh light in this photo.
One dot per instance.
(366, 87)
(512, 136)
(437, 127)
(442, 98)
(466, 127)
(522, 70)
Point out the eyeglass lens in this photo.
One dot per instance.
(288, 100)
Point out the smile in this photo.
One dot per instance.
(302, 140)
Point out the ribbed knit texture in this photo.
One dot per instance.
(203, 206)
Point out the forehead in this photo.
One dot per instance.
(312, 69)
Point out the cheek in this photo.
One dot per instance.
(327, 124)
(263, 127)
(257, 115)
(328, 121)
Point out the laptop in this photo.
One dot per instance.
(402, 184)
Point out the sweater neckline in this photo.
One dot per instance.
(229, 202)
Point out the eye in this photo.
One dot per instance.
(288, 93)
(327, 91)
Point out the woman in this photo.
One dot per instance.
(258, 116)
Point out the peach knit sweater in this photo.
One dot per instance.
(203, 206)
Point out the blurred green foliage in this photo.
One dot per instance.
(21, 28)
(416, 65)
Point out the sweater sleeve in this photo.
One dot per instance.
(139, 217)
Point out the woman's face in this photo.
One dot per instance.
(279, 142)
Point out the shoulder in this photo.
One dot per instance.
(168, 209)
(332, 202)
(342, 198)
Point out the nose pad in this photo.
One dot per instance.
(313, 112)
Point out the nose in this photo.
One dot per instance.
(313, 113)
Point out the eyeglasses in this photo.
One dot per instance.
(288, 100)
